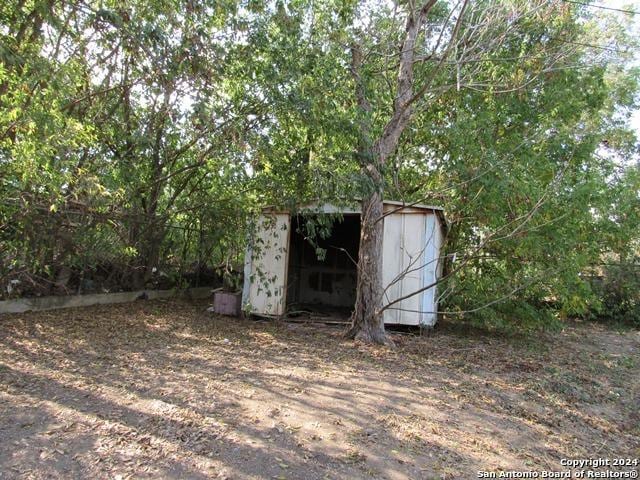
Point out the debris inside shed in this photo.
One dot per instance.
(323, 271)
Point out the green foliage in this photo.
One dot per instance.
(618, 291)
(119, 147)
(530, 177)
(139, 139)
(516, 316)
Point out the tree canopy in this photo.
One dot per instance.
(138, 139)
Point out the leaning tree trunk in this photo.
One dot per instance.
(366, 321)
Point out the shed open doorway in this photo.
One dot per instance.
(322, 272)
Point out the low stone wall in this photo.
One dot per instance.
(20, 305)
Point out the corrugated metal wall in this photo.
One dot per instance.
(410, 254)
(268, 267)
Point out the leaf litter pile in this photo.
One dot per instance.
(162, 389)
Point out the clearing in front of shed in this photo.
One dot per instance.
(163, 390)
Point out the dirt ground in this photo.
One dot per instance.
(166, 390)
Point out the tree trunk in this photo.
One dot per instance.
(367, 324)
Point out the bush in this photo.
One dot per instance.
(618, 290)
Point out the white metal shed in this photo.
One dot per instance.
(283, 272)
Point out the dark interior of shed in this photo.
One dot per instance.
(323, 285)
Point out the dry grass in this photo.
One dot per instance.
(163, 390)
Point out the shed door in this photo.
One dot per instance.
(269, 255)
(403, 265)
(433, 241)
